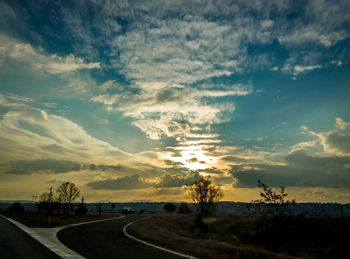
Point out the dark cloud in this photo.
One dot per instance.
(116, 168)
(235, 159)
(124, 183)
(173, 163)
(92, 167)
(174, 94)
(192, 160)
(270, 176)
(339, 141)
(158, 171)
(211, 170)
(18, 171)
(169, 191)
(223, 180)
(177, 180)
(54, 148)
(301, 170)
(43, 166)
(332, 164)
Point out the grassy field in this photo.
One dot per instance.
(248, 237)
(41, 220)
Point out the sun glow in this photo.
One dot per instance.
(194, 157)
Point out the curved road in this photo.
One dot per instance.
(15, 243)
(107, 240)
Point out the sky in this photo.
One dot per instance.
(133, 100)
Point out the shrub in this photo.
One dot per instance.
(17, 208)
(169, 207)
(81, 210)
(271, 202)
(184, 209)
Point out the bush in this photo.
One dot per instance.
(48, 207)
(271, 202)
(81, 210)
(17, 208)
(184, 209)
(169, 207)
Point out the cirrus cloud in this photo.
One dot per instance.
(53, 64)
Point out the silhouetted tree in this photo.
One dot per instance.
(99, 208)
(169, 207)
(17, 208)
(112, 206)
(205, 195)
(67, 192)
(81, 210)
(48, 202)
(271, 202)
(184, 208)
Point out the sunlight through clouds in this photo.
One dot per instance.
(134, 98)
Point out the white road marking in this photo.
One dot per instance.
(152, 245)
(48, 236)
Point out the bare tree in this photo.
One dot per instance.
(271, 202)
(112, 206)
(99, 208)
(47, 202)
(81, 210)
(67, 192)
(205, 195)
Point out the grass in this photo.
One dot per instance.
(41, 220)
(178, 233)
(248, 237)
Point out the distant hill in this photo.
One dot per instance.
(234, 208)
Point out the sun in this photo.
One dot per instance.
(194, 157)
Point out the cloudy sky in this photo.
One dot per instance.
(132, 100)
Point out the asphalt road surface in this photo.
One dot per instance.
(15, 243)
(106, 240)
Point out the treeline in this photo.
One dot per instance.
(61, 200)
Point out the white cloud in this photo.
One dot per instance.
(290, 66)
(9, 99)
(59, 65)
(178, 51)
(315, 34)
(107, 85)
(159, 110)
(31, 133)
(335, 141)
(53, 64)
(338, 63)
(265, 24)
(300, 69)
(80, 84)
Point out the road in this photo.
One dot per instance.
(15, 243)
(106, 240)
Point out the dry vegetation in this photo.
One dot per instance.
(178, 233)
(247, 237)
